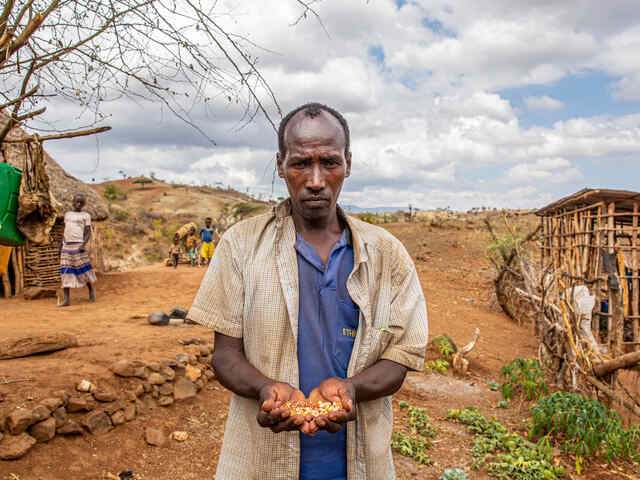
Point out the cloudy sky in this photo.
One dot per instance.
(498, 103)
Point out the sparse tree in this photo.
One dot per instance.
(176, 52)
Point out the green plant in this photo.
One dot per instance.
(403, 404)
(110, 192)
(502, 404)
(143, 181)
(493, 385)
(120, 215)
(437, 365)
(454, 474)
(445, 345)
(525, 375)
(417, 442)
(584, 427)
(507, 456)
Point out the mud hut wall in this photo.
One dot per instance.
(571, 241)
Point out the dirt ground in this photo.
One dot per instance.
(456, 279)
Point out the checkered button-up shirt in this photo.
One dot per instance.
(250, 291)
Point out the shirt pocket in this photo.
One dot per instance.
(378, 343)
(343, 345)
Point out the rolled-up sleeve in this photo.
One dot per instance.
(408, 316)
(219, 303)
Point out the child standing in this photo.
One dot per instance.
(174, 251)
(206, 235)
(192, 242)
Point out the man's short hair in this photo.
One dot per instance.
(312, 110)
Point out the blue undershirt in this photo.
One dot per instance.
(206, 234)
(327, 324)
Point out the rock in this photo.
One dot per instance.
(131, 395)
(118, 418)
(169, 363)
(15, 446)
(179, 436)
(128, 368)
(154, 366)
(146, 386)
(182, 358)
(60, 416)
(69, 428)
(43, 431)
(193, 350)
(165, 389)
(156, 437)
(209, 374)
(178, 312)
(18, 421)
(168, 373)
(34, 293)
(165, 400)
(184, 389)
(79, 403)
(204, 350)
(98, 422)
(148, 402)
(156, 379)
(158, 319)
(192, 341)
(40, 413)
(52, 403)
(130, 412)
(193, 373)
(105, 394)
(138, 391)
(62, 395)
(156, 392)
(111, 408)
(180, 370)
(193, 359)
(84, 386)
(25, 346)
(199, 383)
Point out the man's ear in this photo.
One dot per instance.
(348, 163)
(279, 163)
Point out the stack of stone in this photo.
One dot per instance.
(97, 409)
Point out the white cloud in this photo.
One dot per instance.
(554, 170)
(543, 102)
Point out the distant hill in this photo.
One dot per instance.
(376, 210)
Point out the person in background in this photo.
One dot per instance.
(192, 244)
(75, 266)
(174, 251)
(206, 235)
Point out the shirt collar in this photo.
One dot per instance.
(282, 212)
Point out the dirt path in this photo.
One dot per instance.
(456, 281)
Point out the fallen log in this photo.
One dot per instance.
(25, 346)
(623, 361)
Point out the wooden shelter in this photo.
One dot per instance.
(577, 232)
(38, 265)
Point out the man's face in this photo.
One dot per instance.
(207, 223)
(314, 166)
(78, 202)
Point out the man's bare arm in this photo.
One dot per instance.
(234, 372)
(383, 378)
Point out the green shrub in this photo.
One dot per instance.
(454, 474)
(438, 365)
(416, 443)
(584, 427)
(445, 345)
(120, 215)
(507, 456)
(523, 375)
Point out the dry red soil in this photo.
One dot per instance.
(456, 279)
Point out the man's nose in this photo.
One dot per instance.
(315, 180)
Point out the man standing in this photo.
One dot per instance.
(308, 302)
(206, 235)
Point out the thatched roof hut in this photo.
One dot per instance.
(38, 265)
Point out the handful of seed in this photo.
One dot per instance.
(306, 407)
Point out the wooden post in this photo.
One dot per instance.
(17, 273)
(611, 239)
(635, 300)
(597, 226)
